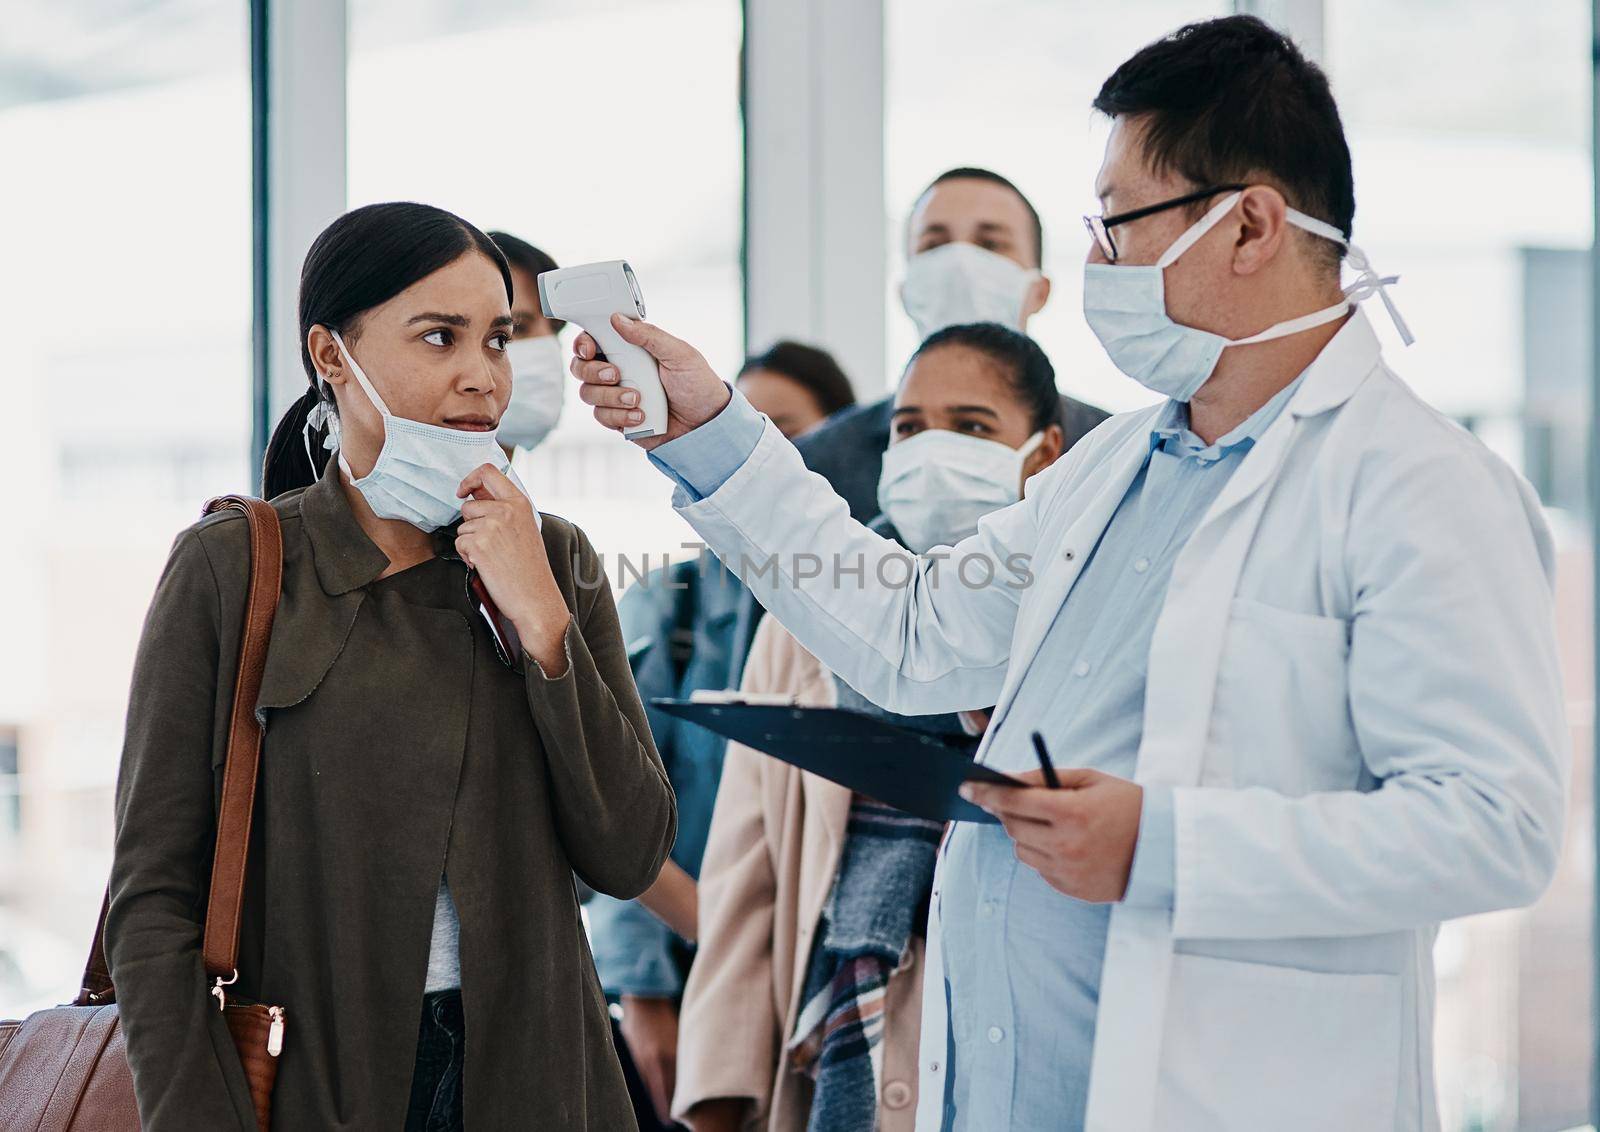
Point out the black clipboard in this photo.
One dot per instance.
(915, 771)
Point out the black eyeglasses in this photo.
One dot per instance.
(1100, 226)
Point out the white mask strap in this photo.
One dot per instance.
(355, 368)
(1030, 445)
(320, 416)
(1368, 281)
(1199, 228)
(1295, 325)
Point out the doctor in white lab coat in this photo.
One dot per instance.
(1351, 704)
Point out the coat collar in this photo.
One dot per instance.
(326, 570)
(346, 558)
(1339, 369)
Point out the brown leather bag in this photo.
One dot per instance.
(67, 1068)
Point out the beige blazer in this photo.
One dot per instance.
(769, 865)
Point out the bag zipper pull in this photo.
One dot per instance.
(275, 1031)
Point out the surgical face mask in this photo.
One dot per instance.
(1126, 307)
(937, 484)
(959, 283)
(420, 466)
(537, 384)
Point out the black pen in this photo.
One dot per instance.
(1045, 764)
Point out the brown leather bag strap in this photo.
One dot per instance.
(96, 987)
(221, 949)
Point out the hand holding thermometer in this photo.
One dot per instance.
(589, 295)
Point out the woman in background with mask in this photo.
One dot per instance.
(802, 1009)
(538, 371)
(451, 731)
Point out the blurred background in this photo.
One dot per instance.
(168, 161)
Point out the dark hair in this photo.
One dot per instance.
(809, 366)
(1232, 100)
(361, 260)
(969, 173)
(1025, 365)
(524, 256)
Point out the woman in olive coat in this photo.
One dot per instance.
(425, 796)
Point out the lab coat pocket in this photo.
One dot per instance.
(1252, 1047)
(1281, 717)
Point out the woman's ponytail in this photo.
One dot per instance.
(288, 466)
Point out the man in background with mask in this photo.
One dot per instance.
(974, 247)
(537, 368)
(1290, 632)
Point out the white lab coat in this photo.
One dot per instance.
(1353, 691)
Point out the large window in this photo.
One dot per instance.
(594, 130)
(126, 283)
(1469, 125)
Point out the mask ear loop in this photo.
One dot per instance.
(1368, 282)
(1029, 446)
(1199, 228)
(361, 376)
(321, 416)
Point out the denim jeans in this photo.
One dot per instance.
(441, 1052)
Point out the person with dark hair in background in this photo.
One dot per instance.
(437, 763)
(680, 622)
(803, 1009)
(797, 386)
(1289, 631)
(538, 372)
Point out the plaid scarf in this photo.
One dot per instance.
(879, 898)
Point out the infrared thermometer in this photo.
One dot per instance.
(589, 295)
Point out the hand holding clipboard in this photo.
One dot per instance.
(916, 771)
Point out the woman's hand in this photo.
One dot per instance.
(650, 1027)
(695, 393)
(500, 539)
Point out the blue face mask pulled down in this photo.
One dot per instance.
(421, 465)
(1126, 307)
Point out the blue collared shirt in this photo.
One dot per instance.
(1022, 960)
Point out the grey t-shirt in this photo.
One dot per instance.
(444, 949)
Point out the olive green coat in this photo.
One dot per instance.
(398, 746)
